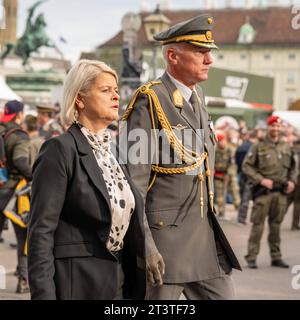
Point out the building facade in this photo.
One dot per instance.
(8, 32)
(262, 41)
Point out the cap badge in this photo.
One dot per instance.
(209, 20)
(208, 35)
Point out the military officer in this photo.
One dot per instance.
(224, 167)
(271, 167)
(49, 127)
(187, 251)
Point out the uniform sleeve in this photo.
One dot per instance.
(232, 166)
(134, 145)
(249, 165)
(48, 194)
(21, 157)
(294, 171)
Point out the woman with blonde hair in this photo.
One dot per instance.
(85, 237)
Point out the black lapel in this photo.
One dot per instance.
(186, 111)
(89, 162)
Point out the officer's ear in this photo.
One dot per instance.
(172, 54)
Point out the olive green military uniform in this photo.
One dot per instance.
(296, 195)
(274, 161)
(17, 147)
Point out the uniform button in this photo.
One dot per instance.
(160, 223)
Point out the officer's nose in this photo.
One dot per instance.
(208, 58)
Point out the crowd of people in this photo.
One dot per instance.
(260, 167)
(22, 138)
(230, 179)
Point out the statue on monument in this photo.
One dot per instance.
(34, 37)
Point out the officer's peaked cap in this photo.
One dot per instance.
(196, 31)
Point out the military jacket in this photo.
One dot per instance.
(17, 146)
(186, 239)
(223, 160)
(275, 161)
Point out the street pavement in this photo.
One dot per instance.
(266, 282)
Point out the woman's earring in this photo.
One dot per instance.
(81, 105)
(76, 114)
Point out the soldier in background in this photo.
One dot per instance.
(36, 141)
(233, 138)
(17, 154)
(271, 166)
(48, 125)
(260, 133)
(224, 167)
(245, 190)
(296, 196)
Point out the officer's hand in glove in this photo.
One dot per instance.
(155, 268)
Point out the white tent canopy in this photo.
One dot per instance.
(6, 93)
(291, 117)
(228, 103)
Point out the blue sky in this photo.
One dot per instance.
(88, 23)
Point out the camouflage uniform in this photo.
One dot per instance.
(233, 184)
(225, 173)
(274, 161)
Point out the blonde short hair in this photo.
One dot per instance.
(79, 80)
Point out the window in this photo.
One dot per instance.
(292, 56)
(290, 100)
(220, 56)
(243, 56)
(291, 77)
(267, 56)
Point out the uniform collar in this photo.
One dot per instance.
(271, 141)
(48, 124)
(185, 91)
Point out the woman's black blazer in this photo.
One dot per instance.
(70, 223)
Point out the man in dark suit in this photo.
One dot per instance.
(187, 251)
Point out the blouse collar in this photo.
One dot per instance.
(99, 141)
